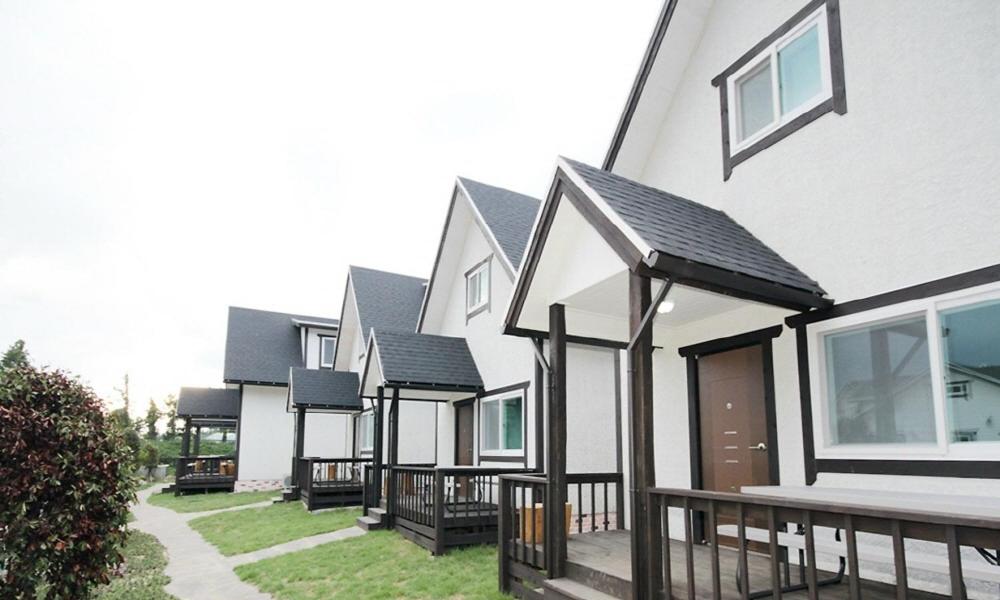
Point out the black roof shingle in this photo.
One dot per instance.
(386, 301)
(431, 360)
(208, 403)
(324, 389)
(509, 215)
(262, 345)
(691, 231)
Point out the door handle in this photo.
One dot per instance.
(761, 447)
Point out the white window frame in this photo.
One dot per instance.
(370, 416)
(944, 448)
(322, 341)
(770, 55)
(481, 270)
(487, 452)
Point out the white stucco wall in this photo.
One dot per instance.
(266, 431)
(328, 435)
(311, 343)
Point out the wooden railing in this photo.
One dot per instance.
(816, 527)
(374, 491)
(595, 503)
(328, 473)
(447, 506)
(207, 467)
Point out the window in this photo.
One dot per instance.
(790, 78)
(366, 431)
(785, 80)
(477, 288)
(918, 379)
(502, 424)
(326, 348)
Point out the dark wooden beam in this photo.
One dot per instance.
(197, 440)
(642, 470)
(186, 438)
(298, 450)
(539, 408)
(393, 452)
(555, 468)
(377, 445)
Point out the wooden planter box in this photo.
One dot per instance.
(536, 514)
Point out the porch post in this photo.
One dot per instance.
(555, 468)
(393, 451)
(298, 449)
(642, 473)
(539, 409)
(186, 438)
(377, 447)
(197, 440)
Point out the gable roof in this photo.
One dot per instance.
(323, 389)
(683, 229)
(421, 361)
(208, 403)
(508, 215)
(386, 301)
(262, 345)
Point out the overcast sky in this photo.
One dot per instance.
(160, 161)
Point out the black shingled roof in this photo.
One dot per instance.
(324, 389)
(386, 301)
(262, 345)
(431, 360)
(509, 215)
(208, 403)
(685, 229)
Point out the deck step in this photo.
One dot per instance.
(567, 589)
(377, 513)
(369, 523)
(606, 583)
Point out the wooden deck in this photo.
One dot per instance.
(603, 558)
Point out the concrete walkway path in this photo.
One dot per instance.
(294, 545)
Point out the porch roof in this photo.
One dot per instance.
(208, 403)
(420, 366)
(323, 390)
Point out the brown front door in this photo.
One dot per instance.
(465, 426)
(733, 416)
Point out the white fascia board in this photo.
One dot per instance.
(315, 324)
(509, 266)
(640, 244)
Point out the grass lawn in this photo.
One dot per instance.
(379, 565)
(213, 501)
(251, 529)
(143, 577)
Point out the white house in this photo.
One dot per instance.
(777, 188)
(262, 347)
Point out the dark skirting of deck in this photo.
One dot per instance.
(332, 495)
(605, 556)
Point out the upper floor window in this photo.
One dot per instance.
(919, 378)
(366, 431)
(787, 80)
(502, 424)
(326, 347)
(477, 288)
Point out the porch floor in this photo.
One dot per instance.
(609, 552)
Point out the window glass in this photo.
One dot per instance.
(756, 103)
(512, 424)
(477, 288)
(367, 431)
(799, 77)
(879, 385)
(484, 285)
(326, 351)
(971, 342)
(491, 425)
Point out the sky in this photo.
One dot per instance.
(161, 161)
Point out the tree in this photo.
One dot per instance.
(149, 458)
(152, 416)
(16, 356)
(123, 392)
(127, 428)
(66, 483)
(171, 414)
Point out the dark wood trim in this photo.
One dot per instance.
(555, 468)
(805, 405)
(570, 339)
(488, 261)
(502, 391)
(771, 413)
(500, 458)
(732, 342)
(953, 283)
(619, 457)
(973, 469)
(694, 438)
(540, 387)
(639, 85)
(239, 435)
(458, 403)
(256, 383)
(836, 103)
(340, 330)
(523, 385)
(611, 233)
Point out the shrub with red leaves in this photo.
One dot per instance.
(65, 486)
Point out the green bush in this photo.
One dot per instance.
(66, 483)
(149, 457)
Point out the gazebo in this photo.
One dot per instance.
(203, 408)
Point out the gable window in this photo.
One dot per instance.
(502, 424)
(326, 348)
(477, 288)
(790, 78)
(366, 431)
(917, 379)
